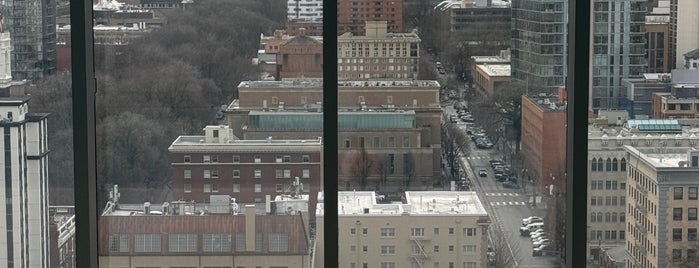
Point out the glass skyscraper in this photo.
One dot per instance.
(32, 25)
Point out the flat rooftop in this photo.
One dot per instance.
(199, 140)
(489, 59)
(429, 203)
(495, 69)
(547, 102)
(662, 157)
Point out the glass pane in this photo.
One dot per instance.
(452, 133)
(209, 132)
(38, 224)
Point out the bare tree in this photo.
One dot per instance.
(361, 167)
(454, 142)
(408, 170)
(382, 171)
(501, 256)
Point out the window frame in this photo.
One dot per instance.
(84, 130)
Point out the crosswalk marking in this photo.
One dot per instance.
(507, 203)
(501, 194)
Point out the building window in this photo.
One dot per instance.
(388, 265)
(691, 255)
(377, 142)
(236, 188)
(469, 231)
(278, 242)
(305, 158)
(214, 188)
(677, 214)
(594, 164)
(258, 173)
(692, 193)
(214, 173)
(391, 142)
(258, 188)
(147, 243)
(207, 188)
(187, 188)
(207, 159)
(609, 164)
(436, 231)
(365, 249)
(676, 234)
(692, 234)
(451, 248)
(287, 173)
(365, 231)
(623, 164)
(286, 158)
(417, 231)
(182, 242)
(435, 249)
(258, 159)
(216, 242)
(306, 173)
(278, 173)
(187, 173)
(451, 230)
(593, 217)
(187, 158)
(406, 142)
(676, 255)
(353, 231)
(469, 265)
(236, 159)
(118, 243)
(677, 193)
(469, 248)
(692, 214)
(608, 185)
(615, 165)
(236, 173)
(622, 235)
(385, 250)
(388, 232)
(207, 174)
(347, 143)
(278, 159)
(214, 159)
(280, 188)
(361, 142)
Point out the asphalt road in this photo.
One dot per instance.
(507, 207)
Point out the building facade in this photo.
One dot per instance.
(490, 77)
(662, 206)
(639, 93)
(539, 40)
(305, 10)
(25, 227)
(33, 28)
(378, 54)
(352, 14)
(426, 229)
(658, 40)
(249, 170)
(300, 56)
(684, 30)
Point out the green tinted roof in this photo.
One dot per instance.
(656, 125)
(311, 121)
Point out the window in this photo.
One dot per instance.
(258, 159)
(258, 188)
(258, 173)
(214, 187)
(236, 173)
(451, 230)
(377, 142)
(692, 214)
(436, 231)
(608, 184)
(119, 243)
(236, 188)
(609, 164)
(347, 143)
(365, 231)
(187, 158)
(236, 159)
(187, 188)
(214, 158)
(280, 188)
(677, 214)
(207, 174)
(435, 248)
(207, 188)
(305, 158)
(692, 234)
(406, 142)
(187, 173)
(216, 242)
(676, 234)
(365, 249)
(388, 265)
(451, 248)
(207, 159)
(677, 193)
(306, 173)
(623, 164)
(469, 265)
(391, 141)
(214, 173)
(278, 242)
(286, 158)
(147, 243)
(287, 173)
(417, 231)
(692, 193)
(676, 255)
(182, 242)
(469, 231)
(388, 232)
(386, 250)
(594, 164)
(469, 248)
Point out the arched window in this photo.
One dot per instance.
(615, 165)
(594, 164)
(623, 164)
(600, 165)
(609, 164)
(593, 217)
(607, 217)
(599, 216)
(613, 216)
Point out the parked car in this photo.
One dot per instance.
(541, 250)
(544, 241)
(531, 219)
(537, 231)
(510, 185)
(538, 236)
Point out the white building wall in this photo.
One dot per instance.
(309, 10)
(687, 29)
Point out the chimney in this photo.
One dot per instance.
(249, 228)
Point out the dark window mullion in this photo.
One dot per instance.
(330, 140)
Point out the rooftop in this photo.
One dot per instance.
(692, 54)
(431, 203)
(624, 132)
(547, 102)
(317, 83)
(199, 140)
(489, 59)
(495, 69)
(663, 157)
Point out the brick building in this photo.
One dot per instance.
(351, 15)
(300, 56)
(313, 28)
(220, 164)
(658, 58)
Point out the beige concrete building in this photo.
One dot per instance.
(684, 29)
(426, 229)
(662, 208)
(489, 77)
(608, 164)
(378, 55)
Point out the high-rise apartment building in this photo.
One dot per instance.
(618, 49)
(662, 206)
(425, 229)
(378, 54)
(658, 39)
(684, 30)
(33, 27)
(351, 15)
(305, 10)
(539, 38)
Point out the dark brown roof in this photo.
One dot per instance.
(200, 225)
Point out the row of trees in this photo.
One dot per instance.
(166, 84)
(365, 166)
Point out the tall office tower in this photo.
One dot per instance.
(618, 49)
(539, 38)
(24, 226)
(684, 30)
(32, 24)
(305, 10)
(351, 15)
